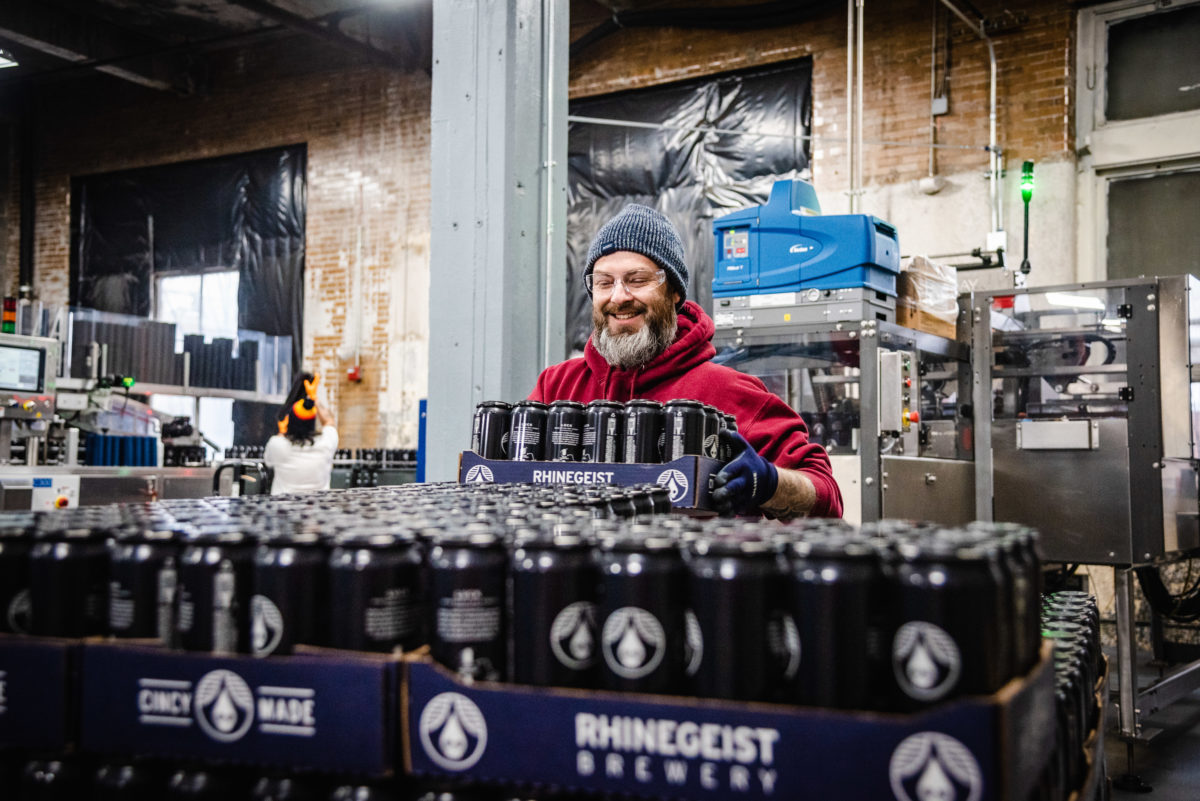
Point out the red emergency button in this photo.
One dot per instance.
(62, 502)
(914, 416)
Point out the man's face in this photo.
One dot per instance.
(631, 327)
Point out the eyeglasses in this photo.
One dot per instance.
(634, 282)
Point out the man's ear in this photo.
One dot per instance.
(676, 298)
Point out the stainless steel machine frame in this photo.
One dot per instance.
(898, 479)
(1114, 480)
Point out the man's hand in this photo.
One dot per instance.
(746, 482)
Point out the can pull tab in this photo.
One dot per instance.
(930, 479)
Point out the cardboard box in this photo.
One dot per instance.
(927, 297)
(321, 710)
(991, 747)
(37, 679)
(687, 478)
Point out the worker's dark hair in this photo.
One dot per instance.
(299, 411)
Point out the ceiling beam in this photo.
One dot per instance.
(313, 27)
(79, 39)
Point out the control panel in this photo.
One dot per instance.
(28, 377)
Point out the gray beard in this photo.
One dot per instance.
(634, 350)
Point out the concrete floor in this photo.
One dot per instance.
(1170, 763)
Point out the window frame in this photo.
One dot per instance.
(1121, 148)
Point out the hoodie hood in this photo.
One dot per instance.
(692, 347)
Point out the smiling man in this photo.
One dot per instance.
(649, 341)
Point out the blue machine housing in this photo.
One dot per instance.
(776, 247)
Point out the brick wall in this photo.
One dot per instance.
(1034, 59)
(367, 135)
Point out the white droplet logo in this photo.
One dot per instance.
(266, 625)
(634, 642)
(573, 635)
(676, 483)
(224, 705)
(931, 766)
(479, 474)
(925, 660)
(694, 640)
(453, 731)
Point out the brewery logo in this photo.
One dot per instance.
(925, 660)
(224, 706)
(711, 446)
(783, 639)
(930, 766)
(676, 483)
(504, 444)
(480, 474)
(453, 731)
(19, 610)
(693, 643)
(634, 642)
(266, 625)
(573, 635)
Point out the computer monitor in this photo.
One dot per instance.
(22, 369)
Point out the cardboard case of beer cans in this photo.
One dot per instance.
(317, 709)
(37, 699)
(687, 479)
(982, 748)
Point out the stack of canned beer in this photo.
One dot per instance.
(1071, 620)
(637, 432)
(259, 574)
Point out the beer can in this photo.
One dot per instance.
(684, 423)
(215, 575)
(724, 451)
(833, 605)
(643, 594)
(603, 431)
(16, 541)
(713, 422)
(51, 780)
(291, 594)
(554, 584)
(289, 788)
(467, 580)
(141, 584)
(736, 646)
(945, 623)
(643, 432)
(68, 576)
(527, 431)
(565, 423)
(489, 434)
(127, 781)
(376, 591)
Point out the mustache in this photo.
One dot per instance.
(630, 305)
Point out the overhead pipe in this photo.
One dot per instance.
(992, 146)
(28, 201)
(850, 166)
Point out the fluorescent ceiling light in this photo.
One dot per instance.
(7, 59)
(1074, 301)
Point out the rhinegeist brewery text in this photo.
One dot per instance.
(720, 757)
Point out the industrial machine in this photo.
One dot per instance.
(1087, 401)
(781, 263)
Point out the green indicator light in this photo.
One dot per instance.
(1027, 181)
(128, 382)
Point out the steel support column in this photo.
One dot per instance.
(498, 215)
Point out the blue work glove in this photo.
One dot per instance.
(746, 482)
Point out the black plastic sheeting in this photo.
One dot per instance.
(689, 176)
(243, 212)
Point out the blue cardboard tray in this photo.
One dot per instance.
(323, 710)
(688, 478)
(37, 704)
(987, 748)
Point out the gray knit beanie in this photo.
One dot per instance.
(643, 230)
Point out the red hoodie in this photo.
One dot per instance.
(685, 370)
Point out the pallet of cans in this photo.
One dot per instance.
(1071, 622)
(698, 660)
(675, 445)
(262, 629)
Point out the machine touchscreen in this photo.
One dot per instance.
(21, 369)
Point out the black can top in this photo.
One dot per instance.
(643, 403)
(626, 541)
(220, 535)
(941, 550)
(566, 404)
(529, 404)
(835, 546)
(375, 539)
(604, 404)
(493, 404)
(686, 402)
(732, 546)
(473, 535)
